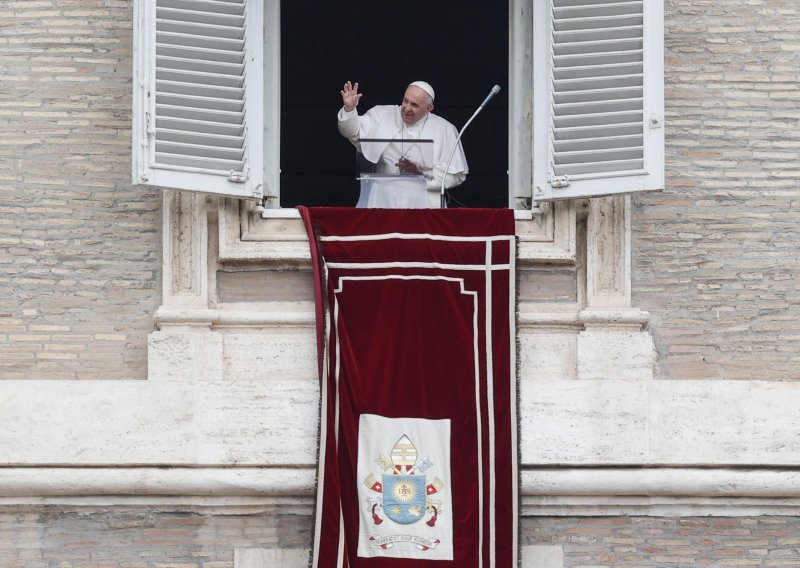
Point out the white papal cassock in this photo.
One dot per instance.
(385, 122)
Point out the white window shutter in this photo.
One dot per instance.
(598, 95)
(198, 96)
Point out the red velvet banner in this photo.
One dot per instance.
(418, 431)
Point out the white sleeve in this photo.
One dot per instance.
(349, 124)
(451, 180)
(352, 125)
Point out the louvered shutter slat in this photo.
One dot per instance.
(571, 86)
(164, 100)
(198, 114)
(587, 10)
(211, 6)
(600, 167)
(213, 42)
(598, 71)
(597, 21)
(568, 3)
(198, 17)
(213, 91)
(187, 161)
(599, 107)
(199, 150)
(594, 95)
(202, 138)
(589, 132)
(606, 120)
(200, 126)
(601, 34)
(609, 58)
(196, 28)
(202, 54)
(197, 78)
(588, 144)
(200, 67)
(597, 155)
(580, 48)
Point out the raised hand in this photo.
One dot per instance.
(350, 96)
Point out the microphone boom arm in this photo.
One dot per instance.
(492, 93)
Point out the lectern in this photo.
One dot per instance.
(394, 172)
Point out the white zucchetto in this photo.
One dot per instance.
(425, 87)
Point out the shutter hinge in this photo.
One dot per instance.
(236, 177)
(148, 124)
(559, 181)
(148, 131)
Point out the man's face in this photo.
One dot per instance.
(415, 105)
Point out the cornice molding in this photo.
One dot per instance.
(673, 491)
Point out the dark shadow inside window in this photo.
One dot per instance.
(461, 48)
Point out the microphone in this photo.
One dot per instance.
(490, 96)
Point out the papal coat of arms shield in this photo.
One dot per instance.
(404, 498)
(406, 510)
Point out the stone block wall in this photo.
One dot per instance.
(80, 248)
(135, 537)
(685, 542)
(143, 537)
(715, 255)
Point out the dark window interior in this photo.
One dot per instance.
(461, 48)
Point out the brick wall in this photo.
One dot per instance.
(675, 542)
(715, 255)
(80, 248)
(129, 537)
(49, 537)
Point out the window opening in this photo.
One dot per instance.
(461, 49)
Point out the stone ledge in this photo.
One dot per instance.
(667, 481)
(156, 481)
(265, 316)
(583, 484)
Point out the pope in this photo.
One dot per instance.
(412, 120)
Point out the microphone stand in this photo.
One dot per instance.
(494, 91)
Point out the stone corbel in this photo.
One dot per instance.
(184, 347)
(614, 342)
(185, 275)
(185, 240)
